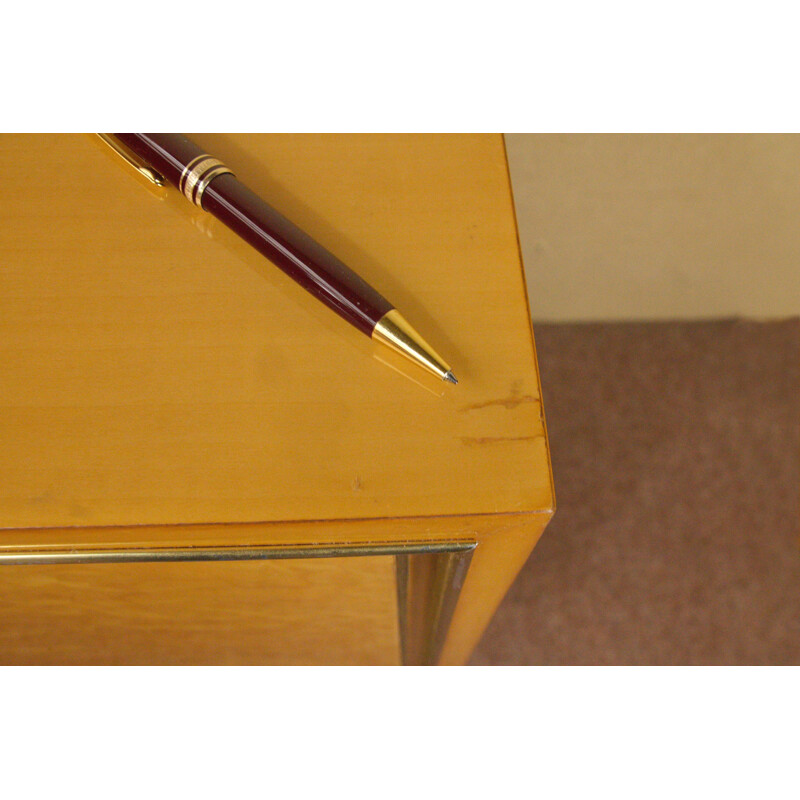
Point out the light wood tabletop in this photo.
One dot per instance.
(164, 387)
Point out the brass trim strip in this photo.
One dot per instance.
(113, 556)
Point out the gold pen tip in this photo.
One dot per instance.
(450, 377)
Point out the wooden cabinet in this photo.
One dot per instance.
(199, 463)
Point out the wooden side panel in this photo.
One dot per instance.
(496, 561)
(316, 611)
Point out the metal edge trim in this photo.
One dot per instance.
(109, 556)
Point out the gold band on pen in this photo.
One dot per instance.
(197, 174)
(192, 173)
(188, 168)
(214, 172)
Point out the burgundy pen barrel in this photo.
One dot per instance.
(274, 236)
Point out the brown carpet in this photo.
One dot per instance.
(676, 455)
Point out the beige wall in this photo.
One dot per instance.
(624, 227)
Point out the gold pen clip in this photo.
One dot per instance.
(131, 158)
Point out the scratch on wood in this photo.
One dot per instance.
(472, 441)
(508, 402)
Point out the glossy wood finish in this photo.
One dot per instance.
(306, 261)
(164, 386)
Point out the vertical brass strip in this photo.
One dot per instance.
(401, 569)
(428, 587)
(417, 611)
(451, 570)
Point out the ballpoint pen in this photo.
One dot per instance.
(210, 185)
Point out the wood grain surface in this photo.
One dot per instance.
(157, 373)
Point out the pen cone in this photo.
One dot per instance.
(394, 331)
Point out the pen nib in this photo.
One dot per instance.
(450, 377)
